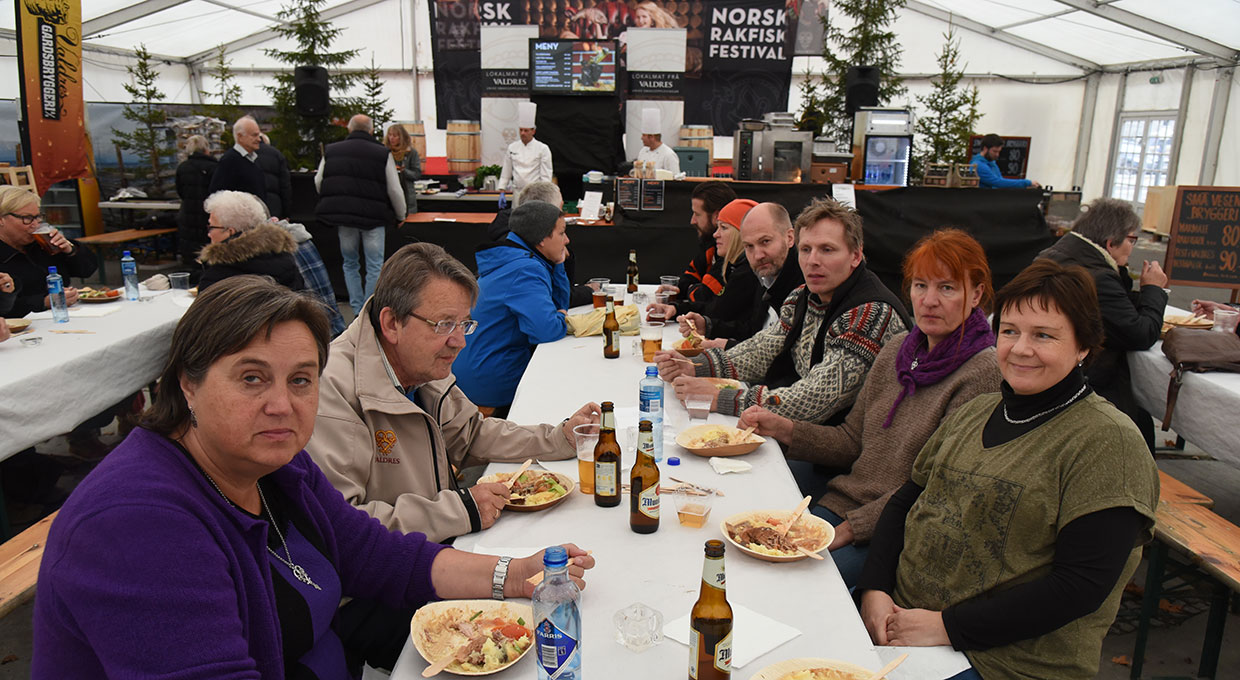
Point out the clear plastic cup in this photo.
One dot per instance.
(179, 283)
(652, 339)
(638, 627)
(586, 437)
(692, 510)
(1225, 320)
(698, 406)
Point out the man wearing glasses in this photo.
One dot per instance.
(392, 423)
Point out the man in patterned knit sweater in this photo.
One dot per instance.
(809, 366)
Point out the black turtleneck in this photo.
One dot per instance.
(1090, 552)
(1049, 403)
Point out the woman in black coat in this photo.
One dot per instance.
(193, 179)
(1101, 241)
(244, 242)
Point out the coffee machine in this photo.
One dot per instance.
(772, 149)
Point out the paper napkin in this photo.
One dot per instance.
(752, 634)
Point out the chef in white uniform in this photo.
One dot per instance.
(653, 148)
(528, 160)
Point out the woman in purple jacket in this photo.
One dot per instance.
(208, 545)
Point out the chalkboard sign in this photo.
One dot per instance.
(1013, 157)
(628, 193)
(1205, 237)
(652, 194)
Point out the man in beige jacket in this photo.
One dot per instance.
(391, 421)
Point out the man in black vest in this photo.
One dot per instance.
(277, 180)
(359, 194)
(237, 170)
(811, 365)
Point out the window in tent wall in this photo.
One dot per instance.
(1142, 155)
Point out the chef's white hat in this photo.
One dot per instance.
(652, 122)
(526, 112)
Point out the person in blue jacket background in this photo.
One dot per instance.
(988, 175)
(522, 298)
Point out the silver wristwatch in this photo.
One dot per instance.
(498, 578)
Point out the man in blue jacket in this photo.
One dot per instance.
(988, 175)
(523, 295)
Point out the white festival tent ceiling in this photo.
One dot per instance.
(1085, 35)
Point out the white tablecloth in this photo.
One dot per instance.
(1207, 407)
(51, 388)
(663, 569)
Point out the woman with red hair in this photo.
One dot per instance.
(917, 379)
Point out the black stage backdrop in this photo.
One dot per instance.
(738, 54)
(584, 135)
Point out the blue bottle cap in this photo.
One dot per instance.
(652, 371)
(51, 270)
(555, 556)
(126, 254)
(673, 461)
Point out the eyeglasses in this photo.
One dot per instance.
(27, 219)
(446, 327)
(1131, 237)
(211, 228)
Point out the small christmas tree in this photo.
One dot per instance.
(950, 113)
(151, 138)
(869, 43)
(228, 92)
(301, 137)
(373, 103)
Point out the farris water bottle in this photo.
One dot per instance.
(557, 620)
(650, 405)
(129, 270)
(56, 294)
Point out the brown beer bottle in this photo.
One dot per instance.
(607, 461)
(644, 484)
(611, 332)
(710, 623)
(632, 273)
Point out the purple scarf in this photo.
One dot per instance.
(940, 362)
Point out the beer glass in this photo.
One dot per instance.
(600, 291)
(43, 236)
(652, 340)
(672, 282)
(586, 437)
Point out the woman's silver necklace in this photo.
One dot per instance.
(298, 572)
(1034, 417)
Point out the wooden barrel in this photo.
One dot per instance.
(417, 132)
(464, 146)
(700, 136)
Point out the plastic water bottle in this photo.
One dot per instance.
(56, 293)
(650, 407)
(557, 620)
(503, 201)
(129, 270)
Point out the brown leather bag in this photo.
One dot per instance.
(1199, 351)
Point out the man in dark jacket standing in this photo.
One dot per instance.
(359, 193)
(237, 170)
(276, 180)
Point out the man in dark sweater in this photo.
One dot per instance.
(237, 170)
(359, 193)
(700, 280)
(739, 312)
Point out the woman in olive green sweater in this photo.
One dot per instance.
(917, 379)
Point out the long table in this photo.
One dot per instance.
(51, 388)
(663, 569)
(1206, 408)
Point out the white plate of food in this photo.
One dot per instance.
(813, 669)
(718, 440)
(535, 490)
(756, 533)
(484, 636)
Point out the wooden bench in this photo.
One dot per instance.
(114, 240)
(1211, 546)
(20, 558)
(1172, 490)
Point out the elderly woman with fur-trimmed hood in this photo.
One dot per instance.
(244, 242)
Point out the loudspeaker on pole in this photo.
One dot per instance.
(311, 97)
(860, 88)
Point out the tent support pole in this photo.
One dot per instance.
(1119, 108)
(195, 83)
(1214, 134)
(1089, 102)
(413, 25)
(1186, 90)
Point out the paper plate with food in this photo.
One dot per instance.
(724, 383)
(690, 346)
(17, 325)
(480, 636)
(718, 440)
(534, 490)
(97, 295)
(813, 669)
(760, 534)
